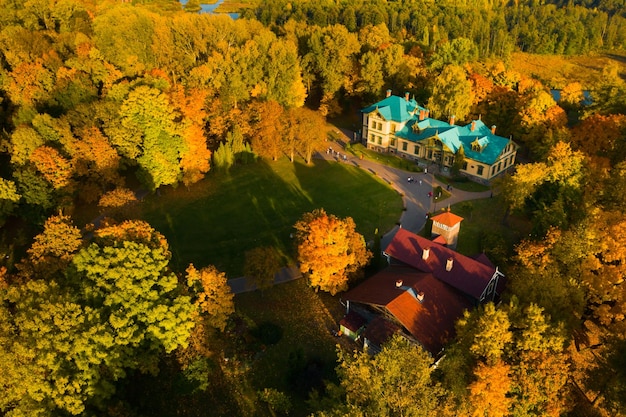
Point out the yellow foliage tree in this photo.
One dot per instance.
(53, 248)
(488, 393)
(330, 251)
(214, 299)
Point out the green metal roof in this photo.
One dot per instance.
(453, 137)
(394, 108)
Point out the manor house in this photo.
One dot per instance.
(399, 125)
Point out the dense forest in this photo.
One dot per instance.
(102, 98)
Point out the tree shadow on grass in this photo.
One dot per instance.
(349, 191)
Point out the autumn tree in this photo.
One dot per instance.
(212, 294)
(489, 393)
(397, 381)
(511, 358)
(267, 138)
(54, 248)
(261, 265)
(329, 250)
(550, 190)
(609, 91)
(114, 308)
(194, 156)
(307, 133)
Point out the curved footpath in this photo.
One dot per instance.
(415, 199)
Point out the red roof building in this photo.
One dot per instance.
(470, 276)
(426, 307)
(446, 227)
(425, 290)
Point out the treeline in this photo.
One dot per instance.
(494, 27)
(157, 91)
(93, 95)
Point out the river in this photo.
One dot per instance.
(210, 8)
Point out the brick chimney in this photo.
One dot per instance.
(452, 118)
(493, 129)
(420, 296)
(406, 96)
(422, 114)
(388, 93)
(449, 264)
(399, 283)
(425, 253)
(473, 127)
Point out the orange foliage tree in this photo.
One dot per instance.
(330, 251)
(194, 159)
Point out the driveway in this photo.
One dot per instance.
(415, 193)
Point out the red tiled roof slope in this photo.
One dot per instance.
(431, 321)
(467, 275)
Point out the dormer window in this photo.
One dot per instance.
(478, 146)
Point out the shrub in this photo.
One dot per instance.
(268, 333)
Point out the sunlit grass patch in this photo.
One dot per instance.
(216, 221)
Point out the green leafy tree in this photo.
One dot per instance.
(395, 382)
(8, 198)
(452, 93)
(66, 339)
(152, 136)
(329, 58)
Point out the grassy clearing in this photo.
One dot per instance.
(218, 219)
(557, 71)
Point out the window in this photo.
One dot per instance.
(430, 154)
(393, 128)
(480, 170)
(506, 162)
(493, 169)
(404, 146)
(373, 124)
(380, 126)
(380, 140)
(371, 137)
(499, 166)
(464, 166)
(393, 141)
(416, 151)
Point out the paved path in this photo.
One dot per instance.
(415, 194)
(415, 199)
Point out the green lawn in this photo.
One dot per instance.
(388, 159)
(463, 185)
(217, 220)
